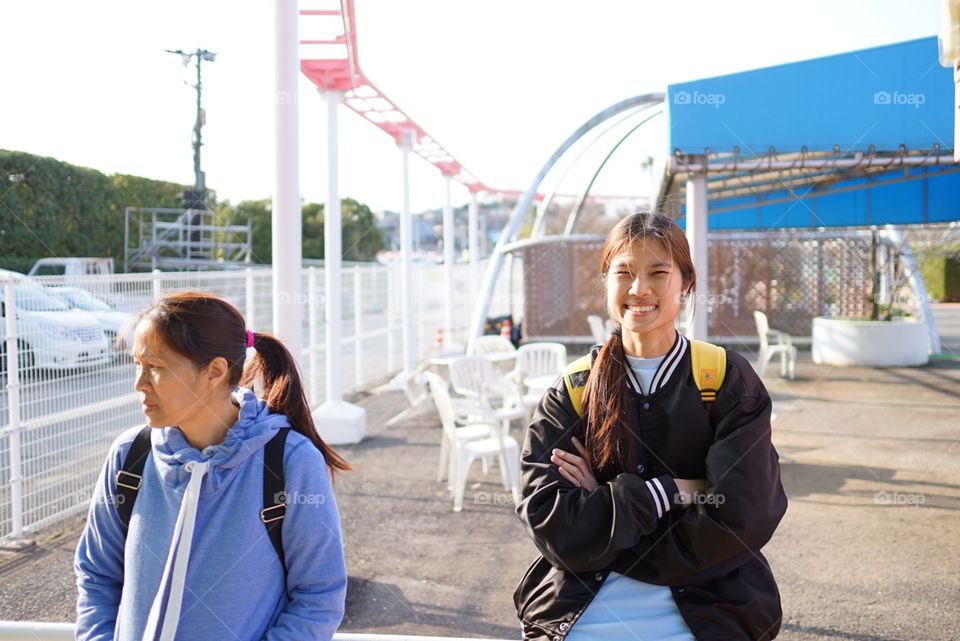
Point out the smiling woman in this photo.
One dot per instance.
(203, 487)
(650, 501)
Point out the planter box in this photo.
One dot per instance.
(895, 343)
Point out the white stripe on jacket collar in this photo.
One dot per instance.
(668, 366)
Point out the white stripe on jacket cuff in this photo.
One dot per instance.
(659, 497)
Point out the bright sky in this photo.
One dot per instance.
(499, 83)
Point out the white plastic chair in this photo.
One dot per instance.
(782, 345)
(539, 359)
(478, 380)
(463, 451)
(494, 345)
(465, 429)
(598, 329)
(538, 366)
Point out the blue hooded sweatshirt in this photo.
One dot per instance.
(233, 587)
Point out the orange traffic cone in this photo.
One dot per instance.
(438, 341)
(506, 330)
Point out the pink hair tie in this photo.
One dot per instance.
(249, 338)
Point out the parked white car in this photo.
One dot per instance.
(49, 334)
(114, 322)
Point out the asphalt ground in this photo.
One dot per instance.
(869, 549)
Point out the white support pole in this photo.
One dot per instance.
(449, 240)
(956, 114)
(473, 243)
(13, 412)
(249, 305)
(337, 421)
(391, 315)
(155, 283)
(333, 249)
(406, 265)
(287, 242)
(697, 237)
(358, 326)
(894, 239)
(313, 323)
(421, 317)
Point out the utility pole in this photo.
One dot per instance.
(196, 199)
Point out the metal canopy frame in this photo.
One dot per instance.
(509, 233)
(731, 176)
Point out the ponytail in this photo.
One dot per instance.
(610, 446)
(275, 370)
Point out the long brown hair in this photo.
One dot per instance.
(610, 446)
(202, 327)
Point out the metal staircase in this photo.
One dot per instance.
(183, 240)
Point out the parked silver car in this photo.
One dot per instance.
(49, 335)
(113, 321)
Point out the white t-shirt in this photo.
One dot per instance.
(645, 369)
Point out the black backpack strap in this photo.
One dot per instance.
(130, 476)
(274, 494)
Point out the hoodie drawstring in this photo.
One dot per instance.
(177, 558)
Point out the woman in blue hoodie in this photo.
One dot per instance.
(195, 560)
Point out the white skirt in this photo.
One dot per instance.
(626, 609)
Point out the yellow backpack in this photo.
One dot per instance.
(708, 362)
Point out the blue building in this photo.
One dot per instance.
(859, 138)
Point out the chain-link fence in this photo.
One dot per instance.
(72, 393)
(791, 275)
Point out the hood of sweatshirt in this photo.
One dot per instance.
(254, 427)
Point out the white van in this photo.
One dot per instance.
(49, 334)
(71, 267)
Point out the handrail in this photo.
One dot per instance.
(43, 631)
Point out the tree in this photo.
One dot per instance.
(257, 213)
(362, 239)
(313, 220)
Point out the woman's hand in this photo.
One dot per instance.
(689, 487)
(574, 468)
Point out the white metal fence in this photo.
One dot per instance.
(60, 410)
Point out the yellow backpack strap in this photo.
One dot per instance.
(575, 379)
(709, 364)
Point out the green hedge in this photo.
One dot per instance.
(52, 208)
(941, 274)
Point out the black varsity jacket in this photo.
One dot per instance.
(707, 553)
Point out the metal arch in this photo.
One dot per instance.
(519, 211)
(540, 220)
(575, 211)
